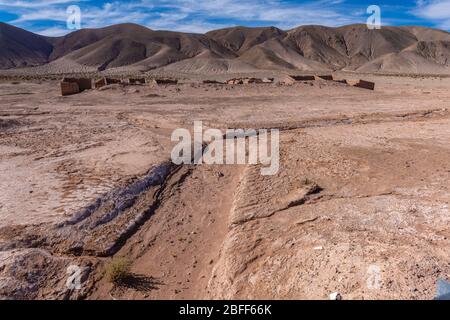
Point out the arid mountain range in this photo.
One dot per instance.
(237, 49)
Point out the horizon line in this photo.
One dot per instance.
(70, 31)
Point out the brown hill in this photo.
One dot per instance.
(241, 39)
(20, 48)
(350, 46)
(238, 49)
(431, 56)
(129, 44)
(274, 54)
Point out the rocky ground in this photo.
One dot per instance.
(362, 186)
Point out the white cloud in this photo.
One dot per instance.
(183, 15)
(52, 32)
(45, 14)
(35, 4)
(436, 11)
(91, 16)
(264, 12)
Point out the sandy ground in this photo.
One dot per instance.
(363, 184)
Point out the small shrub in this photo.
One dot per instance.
(118, 270)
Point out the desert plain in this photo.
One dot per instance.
(359, 205)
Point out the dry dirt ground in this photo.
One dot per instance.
(363, 185)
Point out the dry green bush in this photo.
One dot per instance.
(118, 270)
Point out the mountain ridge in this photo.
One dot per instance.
(304, 48)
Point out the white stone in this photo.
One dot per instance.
(335, 296)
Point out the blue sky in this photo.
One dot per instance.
(49, 17)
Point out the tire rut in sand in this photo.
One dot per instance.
(179, 245)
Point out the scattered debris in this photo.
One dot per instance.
(335, 296)
(212, 82)
(136, 81)
(113, 81)
(220, 174)
(327, 77)
(355, 83)
(245, 81)
(106, 81)
(303, 78)
(164, 81)
(287, 80)
(235, 81)
(252, 80)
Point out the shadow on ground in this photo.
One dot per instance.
(139, 283)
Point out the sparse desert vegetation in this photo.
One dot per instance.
(86, 124)
(118, 270)
(362, 181)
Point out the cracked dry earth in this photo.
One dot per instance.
(356, 190)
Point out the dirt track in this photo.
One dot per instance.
(363, 182)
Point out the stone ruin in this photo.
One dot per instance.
(212, 82)
(106, 81)
(362, 84)
(136, 81)
(249, 80)
(133, 81)
(327, 77)
(164, 81)
(303, 78)
(355, 83)
(71, 86)
(235, 81)
(83, 83)
(100, 83)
